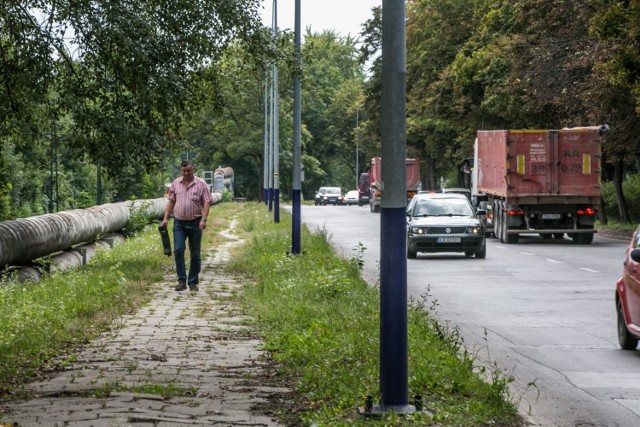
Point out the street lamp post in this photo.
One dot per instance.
(357, 143)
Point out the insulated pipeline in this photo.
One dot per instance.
(25, 239)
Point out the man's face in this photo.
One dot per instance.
(187, 173)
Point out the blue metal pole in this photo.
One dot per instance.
(297, 119)
(265, 157)
(393, 259)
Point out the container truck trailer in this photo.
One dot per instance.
(546, 182)
(375, 185)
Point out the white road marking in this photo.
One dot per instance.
(554, 261)
(526, 253)
(589, 270)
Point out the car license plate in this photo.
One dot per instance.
(551, 216)
(448, 240)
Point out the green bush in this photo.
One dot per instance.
(631, 190)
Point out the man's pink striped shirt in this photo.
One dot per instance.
(189, 199)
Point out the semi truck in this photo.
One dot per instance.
(376, 187)
(546, 182)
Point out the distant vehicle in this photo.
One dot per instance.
(628, 296)
(329, 196)
(364, 189)
(458, 190)
(319, 195)
(351, 198)
(412, 177)
(438, 222)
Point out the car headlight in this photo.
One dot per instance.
(474, 230)
(419, 230)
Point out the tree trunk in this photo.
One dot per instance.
(430, 175)
(617, 185)
(602, 212)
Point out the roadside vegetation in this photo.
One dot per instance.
(318, 318)
(40, 321)
(320, 323)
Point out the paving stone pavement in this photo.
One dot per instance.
(198, 341)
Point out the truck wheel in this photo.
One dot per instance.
(582, 238)
(503, 225)
(497, 221)
(505, 237)
(626, 340)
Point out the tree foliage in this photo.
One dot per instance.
(331, 86)
(499, 64)
(123, 77)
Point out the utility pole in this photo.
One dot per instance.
(357, 142)
(393, 259)
(297, 119)
(265, 157)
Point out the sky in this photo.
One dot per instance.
(343, 16)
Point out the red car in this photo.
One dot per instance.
(628, 296)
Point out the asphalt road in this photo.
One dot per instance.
(541, 311)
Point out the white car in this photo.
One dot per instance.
(351, 198)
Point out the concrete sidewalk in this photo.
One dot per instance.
(193, 341)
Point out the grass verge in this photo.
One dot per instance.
(320, 323)
(44, 319)
(319, 320)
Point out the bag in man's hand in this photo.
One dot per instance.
(166, 242)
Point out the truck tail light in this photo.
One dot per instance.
(515, 212)
(586, 211)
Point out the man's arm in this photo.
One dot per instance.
(205, 214)
(167, 212)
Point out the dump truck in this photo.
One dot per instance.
(412, 179)
(546, 182)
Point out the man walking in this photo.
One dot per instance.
(189, 200)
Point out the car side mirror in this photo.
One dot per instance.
(481, 212)
(635, 254)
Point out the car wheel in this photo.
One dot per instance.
(626, 340)
(411, 254)
(482, 253)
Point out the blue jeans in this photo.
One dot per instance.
(183, 230)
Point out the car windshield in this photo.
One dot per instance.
(443, 207)
(333, 191)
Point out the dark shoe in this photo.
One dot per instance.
(181, 286)
(193, 288)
